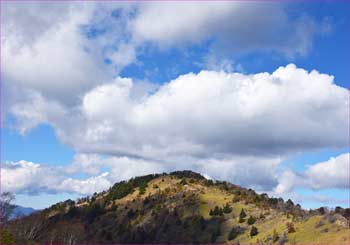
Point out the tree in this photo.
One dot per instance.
(227, 208)
(6, 206)
(254, 231)
(216, 211)
(242, 215)
(251, 220)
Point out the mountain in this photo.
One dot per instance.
(20, 211)
(181, 207)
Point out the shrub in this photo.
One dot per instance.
(251, 220)
(254, 231)
(290, 227)
(227, 208)
(183, 182)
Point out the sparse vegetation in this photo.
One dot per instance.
(201, 212)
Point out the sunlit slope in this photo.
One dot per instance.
(184, 207)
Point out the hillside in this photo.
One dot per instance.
(181, 207)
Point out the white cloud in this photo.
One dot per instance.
(85, 187)
(25, 177)
(333, 173)
(261, 174)
(214, 114)
(234, 27)
(50, 54)
(28, 177)
(287, 181)
(47, 43)
(31, 178)
(258, 173)
(32, 109)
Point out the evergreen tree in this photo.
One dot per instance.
(216, 210)
(254, 231)
(251, 220)
(227, 208)
(242, 214)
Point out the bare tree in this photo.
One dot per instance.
(6, 207)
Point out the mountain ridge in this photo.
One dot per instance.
(182, 207)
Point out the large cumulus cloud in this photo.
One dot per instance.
(215, 114)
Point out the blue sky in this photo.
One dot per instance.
(99, 95)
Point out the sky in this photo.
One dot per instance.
(255, 93)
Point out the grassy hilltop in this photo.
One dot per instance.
(181, 207)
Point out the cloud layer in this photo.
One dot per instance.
(101, 172)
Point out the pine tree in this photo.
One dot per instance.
(242, 214)
(254, 231)
(216, 210)
(251, 220)
(227, 208)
